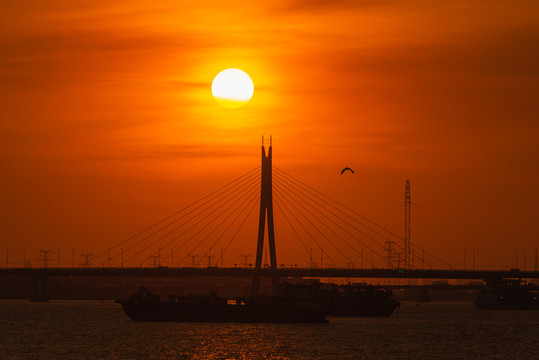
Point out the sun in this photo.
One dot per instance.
(232, 88)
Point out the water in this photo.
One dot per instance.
(100, 330)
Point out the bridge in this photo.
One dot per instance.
(346, 273)
(311, 218)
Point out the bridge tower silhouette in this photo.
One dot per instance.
(266, 212)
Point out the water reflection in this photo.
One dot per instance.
(95, 330)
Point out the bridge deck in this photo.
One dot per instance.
(282, 272)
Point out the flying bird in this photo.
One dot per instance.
(347, 168)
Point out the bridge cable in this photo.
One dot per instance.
(253, 185)
(174, 214)
(294, 230)
(313, 225)
(356, 213)
(338, 203)
(248, 183)
(335, 233)
(250, 190)
(255, 192)
(253, 200)
(237, 231)
(338, 225)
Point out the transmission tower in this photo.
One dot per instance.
(246, 259)
(193, 260)
(399, 259)
(209, 257)
(407, 221)
(45, 256)
(87, 257)
(389, 256)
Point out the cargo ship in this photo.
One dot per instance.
(508, 294)
(144, 306)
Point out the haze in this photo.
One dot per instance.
(108, 124)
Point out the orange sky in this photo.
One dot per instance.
(107, 122)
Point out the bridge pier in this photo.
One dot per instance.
(39, 288)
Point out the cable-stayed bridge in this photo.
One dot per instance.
(195, 240)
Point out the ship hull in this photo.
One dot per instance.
(163, 311)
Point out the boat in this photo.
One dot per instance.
(508, 294)
(361, 299)
(145, 306)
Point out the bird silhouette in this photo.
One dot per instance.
(347, 168)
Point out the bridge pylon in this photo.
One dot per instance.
(266, 211)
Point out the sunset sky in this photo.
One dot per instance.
(108, 124)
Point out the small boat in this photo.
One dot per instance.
(144, 306)
(508, 294)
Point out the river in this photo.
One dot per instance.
(100, 330)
